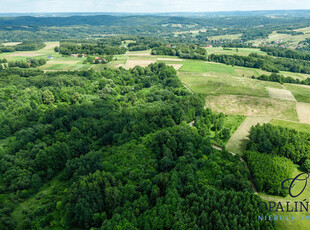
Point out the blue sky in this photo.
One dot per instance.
(22, 6)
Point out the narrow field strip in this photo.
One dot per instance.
(281, 94)
(237, 143)
(303, 111)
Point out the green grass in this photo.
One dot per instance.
(202, 67)
(299, 76)
(301, 127)
(217, 83)
(232, 122)
(300, 92)
(238, 141)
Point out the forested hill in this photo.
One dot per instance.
(110, 20)
(114, 150)
(289, 13)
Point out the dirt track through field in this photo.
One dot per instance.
(237, 143)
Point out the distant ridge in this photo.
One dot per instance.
(291, 13)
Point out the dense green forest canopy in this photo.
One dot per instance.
(280, 141)
(118, 146)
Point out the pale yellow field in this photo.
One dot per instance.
(237, 143)
(281, 94)
(303, 111)
(253, 106)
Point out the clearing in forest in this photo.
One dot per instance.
(281, 94)
(303, 111)
(237, 143)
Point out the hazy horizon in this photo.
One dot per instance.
(148, 6)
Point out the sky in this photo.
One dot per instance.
(147, 6)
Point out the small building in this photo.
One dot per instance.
(50, 57)
(75, 55)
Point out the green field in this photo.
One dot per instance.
(48, 50)
(218, 79)
(300, 92)
(253, 106)
(238, 141)
(58, 62)
(291, 40)
(301, 127)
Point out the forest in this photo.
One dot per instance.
(187, 52)
(278, 168)
(275, 149)
(287, 53)
(280, 141)
(262, 62)
(120, 145)
(100, 48)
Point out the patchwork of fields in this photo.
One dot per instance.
(228, 89)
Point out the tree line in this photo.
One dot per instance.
(182, 51)
(262, 62)
(274, 77)
(287, 53)
(66, 48)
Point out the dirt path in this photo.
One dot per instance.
(245, 165)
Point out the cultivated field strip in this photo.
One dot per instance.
(237, 143)
(303, 111)
(281, 94)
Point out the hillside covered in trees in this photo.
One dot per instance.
(114, 150)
